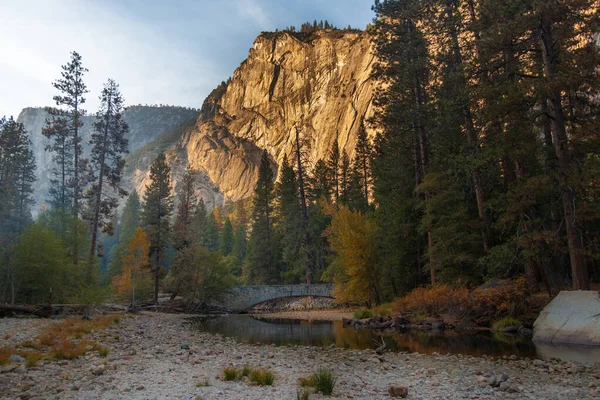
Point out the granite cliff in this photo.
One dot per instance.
(321, 85)
(145, 124)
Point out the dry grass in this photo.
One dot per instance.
(61, 340)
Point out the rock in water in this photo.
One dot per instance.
(572, 317)
(398, 391)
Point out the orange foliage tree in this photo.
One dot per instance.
(135, 262)
(354, 269)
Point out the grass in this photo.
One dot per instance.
(261, 377)
(230, 374)
(61, 340)
(362, 314)
(383, 309)
(204, 383)
(303, 394)
(323, 380)
(505, 322)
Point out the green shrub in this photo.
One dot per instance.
(261, 377)
(204, 383)
(323, 380)
(362, 314)
(505, 322)
(230, 374)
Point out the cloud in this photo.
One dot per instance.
(251, 9)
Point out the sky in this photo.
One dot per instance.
(160, 52)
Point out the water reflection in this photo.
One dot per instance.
(248, 329)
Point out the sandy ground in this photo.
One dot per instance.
(161, 356)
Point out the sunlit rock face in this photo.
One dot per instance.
(323, 87)
(145, 124)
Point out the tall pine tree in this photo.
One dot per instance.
(109, 145)
(156, 215)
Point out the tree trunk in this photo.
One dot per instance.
(304, 212)
(96, 220)
(559, 137)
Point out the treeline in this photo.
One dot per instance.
(487, 163)
(162, 106)
(55, 259)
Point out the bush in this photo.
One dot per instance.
(261, 377)
(230, 374)
(384, 309)
(496, 300)
(362, 314)
(323, 380)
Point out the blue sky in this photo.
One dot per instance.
(169, 52)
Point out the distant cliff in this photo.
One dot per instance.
(145, 122)
(322, 85)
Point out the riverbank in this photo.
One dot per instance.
(313, 315)
(159, 356)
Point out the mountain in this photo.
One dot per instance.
(319, 83)
(145, 122)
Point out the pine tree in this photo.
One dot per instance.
(239, 244)
(63, 129)
(210, 235)
(156, 214)
(109, 145)
(344, 178)
(320, 182)
(17, 175)
(199, 222)
(261, 264)
(333, 166)
(226, 240)
(288, 226)
(182, 230)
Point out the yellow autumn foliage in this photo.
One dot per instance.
(354, 269)
(135, 280)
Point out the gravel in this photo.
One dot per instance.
(160, 356)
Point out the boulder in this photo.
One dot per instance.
(398, 391)
(572, 317)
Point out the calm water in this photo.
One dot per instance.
(247, 329)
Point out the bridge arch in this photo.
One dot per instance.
(243, 297)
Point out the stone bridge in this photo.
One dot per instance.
(243, 297)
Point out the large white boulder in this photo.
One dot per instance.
(572, 317)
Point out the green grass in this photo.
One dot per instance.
(323, 380)
(505, 322)
(230, 374)
(261, 377)
(362, 314)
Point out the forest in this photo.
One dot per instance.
(485, 163)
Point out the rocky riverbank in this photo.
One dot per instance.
(161, 356)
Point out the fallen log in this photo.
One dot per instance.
(40, 311)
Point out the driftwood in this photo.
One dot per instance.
(40, 311)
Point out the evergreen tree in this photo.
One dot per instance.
(63, 128)
(156, 214)
(289, 226)
(210, 236)
(320, 182)
(17, 175)
(199, 222)
(362, 166)
(182, 230)
(226, 240)
(344, 178)
(333, 166)
(261, 264)
(239, 245)
(108, 148)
